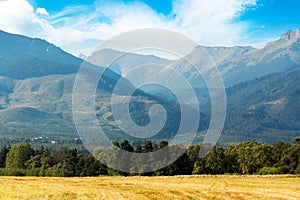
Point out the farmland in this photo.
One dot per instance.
(176, 187)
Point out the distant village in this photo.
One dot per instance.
(53, 140)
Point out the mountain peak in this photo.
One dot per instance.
(288, 35)
(23, 46)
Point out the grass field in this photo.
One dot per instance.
(178, 187)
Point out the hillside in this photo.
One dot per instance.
(36, 93)
(43, 106)
(34, 48)
(36, 88)
(265, 109)
(236, 64)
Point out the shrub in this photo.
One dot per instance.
(12, 172)
(268, 170)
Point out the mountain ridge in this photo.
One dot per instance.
(34, 47)
(36, 92)
(236, 64)
(37, 98)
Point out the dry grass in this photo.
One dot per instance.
(179, 187)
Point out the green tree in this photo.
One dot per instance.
(90, 166)
(277, 152)
(231, 155)
(215, 161)
(199, 167)
(3, 154)
(18, 155)
(148, 147)
(291, 159)
(296, 140)
(253, 156)
(138, 149)
(181, 166)
(126, 146)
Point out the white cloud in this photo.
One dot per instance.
(19, 16)
(16, 15)
(210, 22)
(42, 11)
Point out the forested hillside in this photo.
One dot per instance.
(266, 109)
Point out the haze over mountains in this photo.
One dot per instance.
(36, 84)
(36, 92)
(236, 64)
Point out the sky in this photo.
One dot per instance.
(79, 26)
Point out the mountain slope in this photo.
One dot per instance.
(281, 55)
(27, 67)
(236, 64)
(263, 88)
(266, 109)
(121, 62)
(38, 58)
(43, 107)
(36, 92)
(241, 64)
(22, 46)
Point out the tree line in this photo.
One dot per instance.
(243, 158)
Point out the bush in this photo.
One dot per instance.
(297, 170)
(12, 172)
(33, 172)
(284, 170)
(268, 170)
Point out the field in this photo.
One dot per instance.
(177, 187)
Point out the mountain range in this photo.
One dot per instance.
(36, 92)
(262, 85)
(236, 64)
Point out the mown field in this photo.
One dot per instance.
(178, 187)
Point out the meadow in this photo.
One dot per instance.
(176, 187)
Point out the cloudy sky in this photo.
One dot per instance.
(79, 26)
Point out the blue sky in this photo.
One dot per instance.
(78, 26)
(161, 6)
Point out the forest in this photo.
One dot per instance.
(243, 158)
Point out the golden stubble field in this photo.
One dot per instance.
(177, 187)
